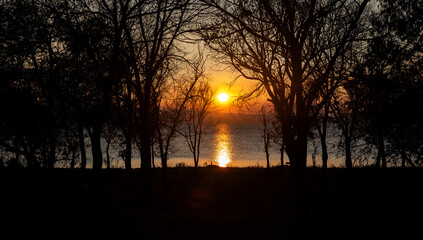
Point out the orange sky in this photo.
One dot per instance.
(221, 76)
(221, 79)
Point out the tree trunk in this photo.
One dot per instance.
(298, 156)
(146, 130)
(108, 155)
(163, 158)
(152, 156)
(323, 135)
(300, 122)
(128, 138)
(324, 159)
(73, 157)
(267, 158)
(282, 155)
(52, 151)
(403, 162)
(348, 160)
(377, 163)
(324, 151)
(195, 158)
(163, 152)
(281, 158)
(128, 149)
(145, 151)
(96, 148)
(82, 145)
(198, 148)
(381, 150)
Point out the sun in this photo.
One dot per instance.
(223, 97)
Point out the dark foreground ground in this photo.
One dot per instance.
(210, 203)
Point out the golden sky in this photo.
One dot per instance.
(221, 76)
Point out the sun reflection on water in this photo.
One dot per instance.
(223, 155)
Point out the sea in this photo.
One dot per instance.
(235, 142)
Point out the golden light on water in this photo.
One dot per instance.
(223, 158)
(223, 155)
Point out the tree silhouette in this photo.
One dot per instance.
(289, 49)
(198, 107)
(35, 66)
(70, 67)
(152, 32)
(100, 41)
(389, 84)
(170, 108)
(267, 133)
(347, 117)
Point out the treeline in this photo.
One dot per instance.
(370, 97)
(129, 73)
(352, 65)
(118, 72)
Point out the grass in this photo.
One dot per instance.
(210, 203)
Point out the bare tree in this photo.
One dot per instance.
(169, 106)
(345, 112)
(388, 83)
(153, 31)
(278, 140)
(198, 107)
(95, 35)
(34, 68)
(289, 49)
(266, 130)
(143, 42)
(111, 135)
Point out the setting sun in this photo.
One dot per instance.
(223, 97)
